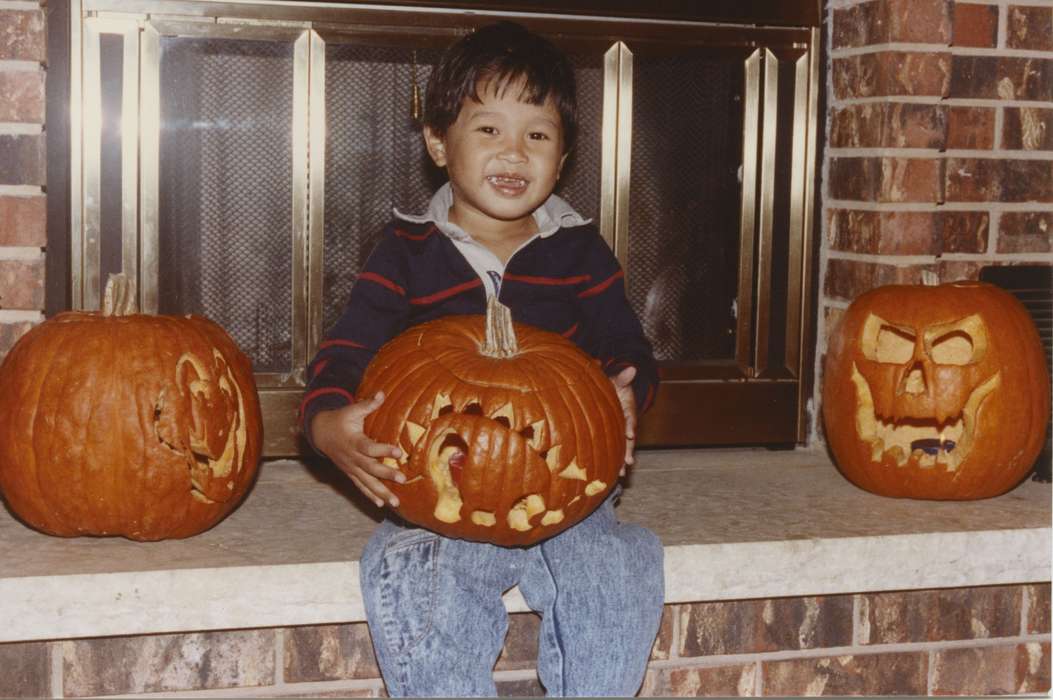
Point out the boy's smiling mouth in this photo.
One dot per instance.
(508, 184)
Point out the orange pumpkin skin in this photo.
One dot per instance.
(918, 366)
(138, 425)
(541, 433)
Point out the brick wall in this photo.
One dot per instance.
(939, 143)
(23, 52)
(968, 641)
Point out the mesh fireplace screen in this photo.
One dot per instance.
(226, 190)
(226, 186)
(684, 222)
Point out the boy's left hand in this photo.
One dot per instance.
(623, 386)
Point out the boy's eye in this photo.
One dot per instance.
(539, 136)
(487, 129)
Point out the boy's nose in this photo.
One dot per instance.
(512, 151)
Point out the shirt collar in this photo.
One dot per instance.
(550, 216)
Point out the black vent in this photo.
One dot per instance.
(1033, 286)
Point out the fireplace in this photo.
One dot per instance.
(238, 159)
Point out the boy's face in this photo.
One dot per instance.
(503, 158)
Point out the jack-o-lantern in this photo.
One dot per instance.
(937, 392)
(118, 423)
(510, 434)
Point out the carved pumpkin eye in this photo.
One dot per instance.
(960, 343)
(887, 342)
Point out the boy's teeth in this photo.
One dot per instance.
(497, 179)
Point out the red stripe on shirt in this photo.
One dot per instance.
(317, 367)
(415, 237)
(383, 281)
(451, 291)
(533, 279)
(599, 288)
(570, 331)
(323, 391)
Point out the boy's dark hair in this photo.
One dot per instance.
(504, 54)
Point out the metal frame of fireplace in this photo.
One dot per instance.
(757, 396)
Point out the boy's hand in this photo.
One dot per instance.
(623, 386)
(340, 436)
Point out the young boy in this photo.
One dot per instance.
(500, 118)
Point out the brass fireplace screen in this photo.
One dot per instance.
(239, 159)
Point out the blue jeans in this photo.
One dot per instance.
(438, 621)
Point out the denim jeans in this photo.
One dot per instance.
(438, 621)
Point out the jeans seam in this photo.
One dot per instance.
(555, 624)
(388, 621)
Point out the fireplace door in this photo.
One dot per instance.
(239, 161)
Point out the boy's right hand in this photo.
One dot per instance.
(340, 436)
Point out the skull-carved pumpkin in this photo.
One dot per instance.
(936, 392)
(118, 423)
(509, 434)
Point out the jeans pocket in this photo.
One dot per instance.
(408, 576)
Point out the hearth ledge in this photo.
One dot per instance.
(736, 524)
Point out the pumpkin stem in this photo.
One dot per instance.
(119, 297)
(500, 334)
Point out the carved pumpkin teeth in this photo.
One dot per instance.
(442, 404)
(525, 508)
(506, 413)
(927, 442)
(552, 458)
(414, 432)
(573, 471)
(536, 435)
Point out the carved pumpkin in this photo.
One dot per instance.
(510, 434)
(936, 392)
(117, 423)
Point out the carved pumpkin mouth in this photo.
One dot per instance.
(924, 442)
(459, 466)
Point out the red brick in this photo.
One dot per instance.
(735, 627)
(963, 231)
(1030, 28)
(992, 670)
(975, 25)
(904, 673)
(22, 160)
(159, 663)
(329, 652)
(23, 221)
(663, 643)
(9, 335)
(520, 650)
(883, 233)
(23, 35)
(1026, 232)
(996, 180)
(920, 21)
(954, 270)
(23, 93)
(25, 670)
(1038, 608)
(889, 125)
(1032, 668)
(1028, 128)
(860, 25)
(886, 179)
(892, 73)
(738, 680)
(941, 615)
(847, 279)
(22, 284)
(970, 127)
(1001, 77)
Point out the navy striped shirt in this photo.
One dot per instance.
(568, 282)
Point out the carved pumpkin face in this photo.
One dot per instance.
(134, 425)
(936, 392)
(508, 450)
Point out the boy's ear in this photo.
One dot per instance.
(436, 146)
(562, 161)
